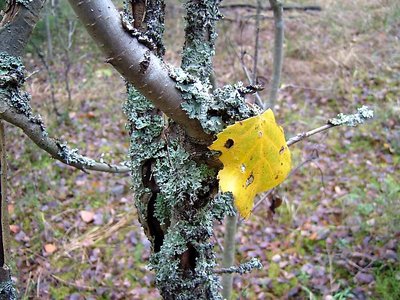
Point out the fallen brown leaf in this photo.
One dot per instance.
(87, 216)
(50, 248)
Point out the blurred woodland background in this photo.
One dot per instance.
(336, 234)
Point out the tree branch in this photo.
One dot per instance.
(7, 289)
(126, 54)
(55, 148)
(363, 113)
(229, 254)
(4, 225)
(241, 269)
(285, 7)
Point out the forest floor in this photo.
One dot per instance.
(336, 234)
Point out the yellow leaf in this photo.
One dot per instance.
(255, 157)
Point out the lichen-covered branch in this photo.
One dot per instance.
(200, 36)
(15, 108)
(243, 268)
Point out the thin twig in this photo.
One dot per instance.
(68, 283)
(363, 113)
(286, 86)
(312, 157)
(304, 135)
(4, 221)
(247, 73)
(51, 75)
(265, 197)
(257, 42)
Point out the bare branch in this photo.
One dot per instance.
(285, 7)
(126, 54)
(4, 225)
(304, 135)
(7, 289)
(229, 254)
(257, 42)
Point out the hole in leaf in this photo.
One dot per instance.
(260, 134)
(281, 150)
(243, 168)
(229, 143)
(249, 180)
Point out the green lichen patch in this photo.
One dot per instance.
(71, 156)
(145, 128)
(12, 80)
(11, 70)
(363, 114)
(200, 36)
(215, 110)
(246, 267)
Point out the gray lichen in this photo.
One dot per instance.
(200, 36)
(215, 110)
(145, 128)
(24, 2)
(243, 268)
(72, 156)
(363, 113)
(12, 79)
(7, 290)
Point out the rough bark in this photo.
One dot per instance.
(19, 20)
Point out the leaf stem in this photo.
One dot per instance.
(304, 135)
